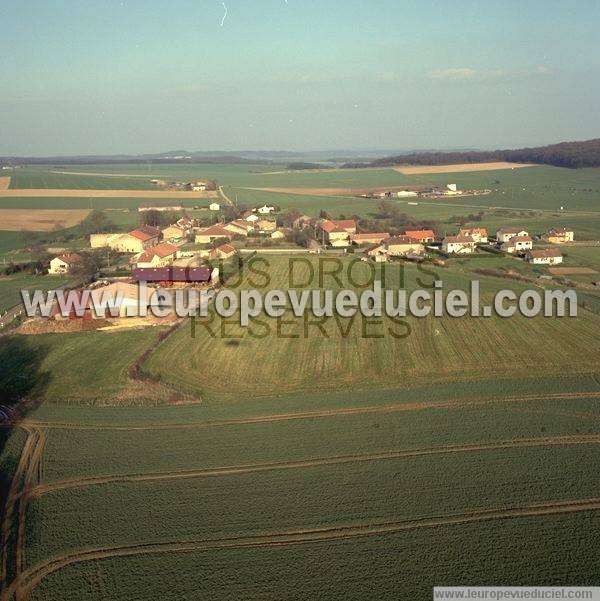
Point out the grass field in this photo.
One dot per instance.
(127, 495)
(292, 355)
(11, 286)
(61, 359)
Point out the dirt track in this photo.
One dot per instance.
(70, 193)
(458, 168)
(30, 579)
(27, 473)
(400, 407)
(40, 220)
(308, 463)
(4, 183)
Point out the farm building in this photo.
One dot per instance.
(423, 236)
(135, 241)
(398, 246)
(517, 244)
(458, 245)
(214, 206)
(225, 251)
(504, 234)
(479, 234)
(173, 232)
(266, 209)
(371, 238)
(547, 256)
(99, 301)
(278, 235)
(176, 276)
(164, 205)
(160, 255)
(239, 227)
(406, 193)
(208, 234)
(559, 235)
(64, 263)
(337, 233)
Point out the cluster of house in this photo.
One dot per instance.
(251, 222)
(342, 233)
(512, 240)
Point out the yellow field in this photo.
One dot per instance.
(459, 168)
(4, 183)
(40, 220)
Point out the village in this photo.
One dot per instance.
(186, 254)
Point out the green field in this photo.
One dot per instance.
(81, 367)
(293, 354)
(463, 477)
(11, 286)
(304, 460)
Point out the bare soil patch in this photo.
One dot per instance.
(4, 183)
(459, 168)
(39, 220)
(572, 271)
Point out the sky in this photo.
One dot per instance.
(144, 76)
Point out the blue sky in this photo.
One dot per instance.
(129, 76)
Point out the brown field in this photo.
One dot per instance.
(40, 192)
(39, 220)
(459, 168)
(572, 271)
(4, 183)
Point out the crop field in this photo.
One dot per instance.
(128, 495)
(33, 178)
(40, 220)
(295, 353)
(4, 183)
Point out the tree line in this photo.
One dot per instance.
(573, 155)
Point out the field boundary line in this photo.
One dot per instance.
(31, 578)
(325, 413)
(236, 470)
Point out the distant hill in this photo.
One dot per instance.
(573, 155)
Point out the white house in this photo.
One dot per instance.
(64, 263)
(517, 244)
(458, 245)
(214, 206)
(548, 256)
(506, 233)
(265, 209)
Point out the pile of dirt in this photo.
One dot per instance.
(41, 325)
